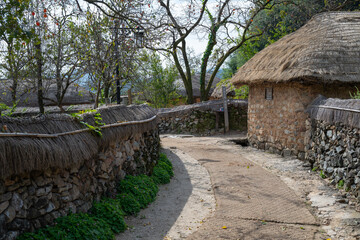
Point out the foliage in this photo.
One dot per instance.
(157, 83)
(97, 119)
(160, 175)
(3, 107)
(128, 203)
(240, 93)
(355, 95)
(141, 187)
(110, 211)
(165, 164)
(74, 227)
(341, 183)
(322, 175)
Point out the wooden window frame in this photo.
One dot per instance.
(269, 93)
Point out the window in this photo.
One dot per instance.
(268, 93)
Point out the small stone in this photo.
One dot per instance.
(13, 187)
(41, 202)
(5, 197)
(50, 207)
(40, 192)
(17, 202)
(10, 214)
(19, 224)
(4, 206)
(287, 152)
(329, 133)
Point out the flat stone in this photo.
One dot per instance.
(13, 187)
(4, 206)
(50, 207)
(41, 203)
(33, 213)
(5, 197)
(17, 202)
(10, 214)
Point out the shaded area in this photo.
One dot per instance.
(170, 211)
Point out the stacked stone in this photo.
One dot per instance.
(335, 149)
(35, 199)
(202, 122)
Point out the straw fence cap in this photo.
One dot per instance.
(326, 49)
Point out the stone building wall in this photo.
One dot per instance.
(201, 118)
(32, 200)
(335, 150)
(279, 125)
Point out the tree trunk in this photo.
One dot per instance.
(39, 77)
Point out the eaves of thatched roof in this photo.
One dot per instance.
(196, 85)
(326, 49)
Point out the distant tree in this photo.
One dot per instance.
(156, 83)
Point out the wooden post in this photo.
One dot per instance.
(226, 114)
(129, 97)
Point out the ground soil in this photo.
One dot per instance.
(258, 196)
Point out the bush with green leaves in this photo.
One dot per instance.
(164, 158)
(141, 187)
(128, 203)
(160, 175)
(110, 211)
(74, 227)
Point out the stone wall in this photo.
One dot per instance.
(279, 125)
(34, 199)
(334, 148)
(201, 118)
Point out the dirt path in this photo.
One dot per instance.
(258, 196)
(180, 205)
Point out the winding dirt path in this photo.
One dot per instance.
(258, 196)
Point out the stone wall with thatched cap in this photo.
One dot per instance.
(52, 164)
(334, 143)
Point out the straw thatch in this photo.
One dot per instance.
(333, 110)
(196, 85)
(24, 154)
(213, 105)
(28, 98)
(326, 49)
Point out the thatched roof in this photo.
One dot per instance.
(196, 85)
(212, 105)
(333, 110)
(326, 49)
(20, 155)
(28, 95)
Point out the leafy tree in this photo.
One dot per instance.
(157, 83)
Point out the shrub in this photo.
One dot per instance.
(73, 226)
(45, 233)
(110, 211)
(160, 175)
(164, 158)
(141, 187)
(128, 203)
(82, 226)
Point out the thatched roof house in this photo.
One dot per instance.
(196, 85)
(322, 57)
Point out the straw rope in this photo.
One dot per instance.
(39, 135)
